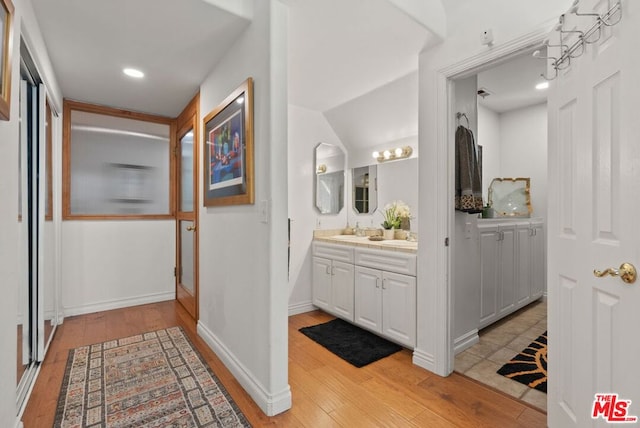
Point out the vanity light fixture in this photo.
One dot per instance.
(321, 169)
(393, 154)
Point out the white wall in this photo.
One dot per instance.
(523, 151)
(113, 264)
(397, 180)
(243, 260)
(515, 145)
(307, 128)
(464, 251)
(489, 139)
(465, 21)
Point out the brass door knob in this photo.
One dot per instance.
(191, 228)
(626, 272)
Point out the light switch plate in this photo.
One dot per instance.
(264, 211)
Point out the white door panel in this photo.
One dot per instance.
(594, 180)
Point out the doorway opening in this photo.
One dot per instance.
(498, 280)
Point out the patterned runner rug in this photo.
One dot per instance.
(529, 366)
(154, 379)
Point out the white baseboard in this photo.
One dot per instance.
(118, 303)
(424, 360)
(465, 341)
(301, 308)
(270, 403)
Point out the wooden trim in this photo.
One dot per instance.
(68, 107)
(120, 217)
(7, 41)
(189, 119)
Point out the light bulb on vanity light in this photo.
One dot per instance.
(375, 154)
(398, 152)
(387, 154)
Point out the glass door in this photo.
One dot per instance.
(186, 220)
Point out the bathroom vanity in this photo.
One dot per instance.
(369, 283)
(512, 261)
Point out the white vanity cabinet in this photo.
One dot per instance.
(385, 294)
(512, 266)
(332, 277)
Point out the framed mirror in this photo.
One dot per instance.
(510, 197)
(365, 189)
(329, 182)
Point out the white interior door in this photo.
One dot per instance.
(594, 182)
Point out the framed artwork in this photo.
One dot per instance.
(228, 150)
(6, 20)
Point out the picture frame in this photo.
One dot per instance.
(228, 150)
(6, 42)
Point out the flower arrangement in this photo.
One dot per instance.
(394, 213)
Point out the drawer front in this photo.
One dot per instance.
(341, 253)
(391, 261)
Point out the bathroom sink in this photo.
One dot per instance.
(399, 243)
(352, 238)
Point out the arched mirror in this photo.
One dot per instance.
(329, 183)
(365, 189)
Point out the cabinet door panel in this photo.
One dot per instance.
(538, 269)
(368, 298)
(321, 282)
(488, 275)
(342, 290)
(399, 308)
(506, 271)
(523, 265)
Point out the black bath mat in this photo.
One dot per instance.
(530, 365)
(351, 343)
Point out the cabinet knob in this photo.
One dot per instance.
(377, 282)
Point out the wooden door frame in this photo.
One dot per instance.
(188, 119)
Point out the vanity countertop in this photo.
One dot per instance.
(363, 241)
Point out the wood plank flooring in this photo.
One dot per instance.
(327, 391)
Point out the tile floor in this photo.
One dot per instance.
(499, 343)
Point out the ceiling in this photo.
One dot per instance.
(90, 42)
(340, 50)
(336, 60)
(512, 84)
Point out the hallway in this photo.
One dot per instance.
(326, 390)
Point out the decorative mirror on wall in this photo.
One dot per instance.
(329, 182)
(510, 197)
(365, 189)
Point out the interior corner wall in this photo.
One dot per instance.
(489, 139)
(307, 128)
(243, 253)
(465, 249)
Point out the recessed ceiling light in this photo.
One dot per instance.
(541, 86)
(132, 72)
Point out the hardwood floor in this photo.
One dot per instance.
(327, 391)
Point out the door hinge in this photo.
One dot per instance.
(446, 241)
(175, 271)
